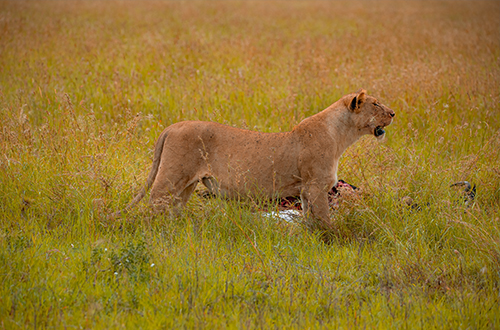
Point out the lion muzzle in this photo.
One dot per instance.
(379, 131)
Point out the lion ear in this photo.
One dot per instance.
(358, 100)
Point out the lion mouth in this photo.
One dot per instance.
(379, 131)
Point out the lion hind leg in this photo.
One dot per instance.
(186, 193)
(166, 195)
(212, 185)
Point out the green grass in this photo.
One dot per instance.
(87, 87)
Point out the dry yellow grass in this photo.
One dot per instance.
(87, 86)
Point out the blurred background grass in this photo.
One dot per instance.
(86, 87)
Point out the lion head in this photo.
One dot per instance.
(369, 115)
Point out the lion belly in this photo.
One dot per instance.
(242, 162)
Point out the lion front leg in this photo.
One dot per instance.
(316, 210)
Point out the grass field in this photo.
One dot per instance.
(87, 86)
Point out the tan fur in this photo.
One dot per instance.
(234, 162)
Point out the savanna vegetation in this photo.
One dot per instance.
(87, 86)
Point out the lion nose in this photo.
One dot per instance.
(392, 113)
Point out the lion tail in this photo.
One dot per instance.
(151, 177)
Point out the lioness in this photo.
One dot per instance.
(233, 162)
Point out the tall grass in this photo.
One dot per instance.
(86, 87)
